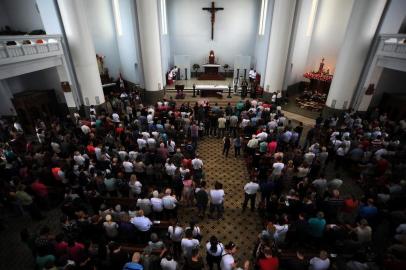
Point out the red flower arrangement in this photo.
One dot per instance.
(318, 76)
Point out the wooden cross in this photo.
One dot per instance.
(213, 11)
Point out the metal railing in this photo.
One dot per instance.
(392, 45)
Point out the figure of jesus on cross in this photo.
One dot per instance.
(213, 11)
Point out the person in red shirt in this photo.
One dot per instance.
(75, 251)
(90, 149)
(268, 262)
(272, 147)
(39, 189)
(60, 246)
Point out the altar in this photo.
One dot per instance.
(211, 90)
(211, 69)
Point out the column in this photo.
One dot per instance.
(148, 25)
(82, 50)
(360, 31)
(282, 20)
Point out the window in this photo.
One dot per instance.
(117, 17)
(262, 18)
(164, 27)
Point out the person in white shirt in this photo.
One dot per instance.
(250, 194)
(273, 98)
(320, 263)
(252, 75)
(135, 186)
(262, 136)
(217, 200)
(227, 258)
(128, 166)
(79, 159)
(157, 206)
(252, 144)
(142, 143)
(188, 244)
(145, 205)
(278, 167)
(122, 153)
(85, 129)
(197, 163)
(116, 118)
(176, 233)
(214, 250)
(169, 203)
(170, 168)
(151, 143)
(168, 263)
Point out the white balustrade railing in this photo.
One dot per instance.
(393, 45)
(18, 47)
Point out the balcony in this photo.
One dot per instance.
(24, 54)
(14, 49)
(392, 45)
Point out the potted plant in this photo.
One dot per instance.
(196, 68)
(226, 66)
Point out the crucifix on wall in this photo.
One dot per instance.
(213, 11)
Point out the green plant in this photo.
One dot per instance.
(195, 67)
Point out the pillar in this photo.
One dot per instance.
(148, 25)
(282, 20)
(363, 22)
(82, 50)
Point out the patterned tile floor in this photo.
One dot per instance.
(241, 228)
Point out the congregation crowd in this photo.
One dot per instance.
(330, 196)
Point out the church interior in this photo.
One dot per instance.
(203, 134)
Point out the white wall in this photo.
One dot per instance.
(235, 29)
(23, 15)
(262, 42)
(128, 42)
(49, 17)
(101, 24)
(394, 17)
(3, 15)
(328, 35)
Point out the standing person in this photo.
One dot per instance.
(175, 234)
(214, 250)
(202, 199)
(217, 200)
(195, 262)
(188, 243)
(187, 193)
(237, 145)
(221, 125)
(226, 145)
(227, 258)
(250, 194)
